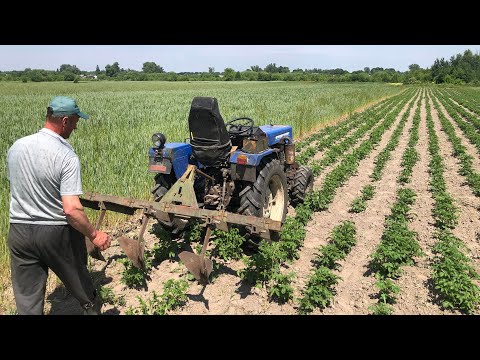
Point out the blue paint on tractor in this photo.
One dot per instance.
(277, 132)
(252, 159)
(178, 154)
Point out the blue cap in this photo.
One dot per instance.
(64, 105)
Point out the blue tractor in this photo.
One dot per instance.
(233, 174)
(240, 167)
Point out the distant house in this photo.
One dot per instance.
(89, 76)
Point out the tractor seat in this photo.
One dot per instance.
(209, 138)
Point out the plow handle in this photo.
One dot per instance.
(91, 248)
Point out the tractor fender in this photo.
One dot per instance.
(245, 167)
(251, 159)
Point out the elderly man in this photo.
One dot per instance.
(47, 222)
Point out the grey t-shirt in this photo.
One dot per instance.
(41, 168)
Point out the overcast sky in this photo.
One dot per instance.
(182, 58)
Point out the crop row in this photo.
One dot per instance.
(336, 132)
(459, 116)
(359, 204)
(452, 271)
(309, 141)
(465, 98)
(264, 267)
(459, 151)
(339, 149)
(320, 200)
(319, 290)
(320, 287)
(399, 244)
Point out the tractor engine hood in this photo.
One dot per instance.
(275, 133)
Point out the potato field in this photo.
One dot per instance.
(392, 226)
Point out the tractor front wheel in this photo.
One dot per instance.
(302, 185)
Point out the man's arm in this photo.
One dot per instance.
(73, 209)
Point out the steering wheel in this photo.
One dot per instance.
(234, 126)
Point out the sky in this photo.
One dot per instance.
(197, 58)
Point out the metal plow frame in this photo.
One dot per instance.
(178, 202)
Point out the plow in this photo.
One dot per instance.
(233, 174)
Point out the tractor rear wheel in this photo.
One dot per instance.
(302, 185)
(268, 196)
(163, 183)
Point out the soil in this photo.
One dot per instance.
(356, 291)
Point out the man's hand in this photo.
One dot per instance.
(73, 209)
(102, 240)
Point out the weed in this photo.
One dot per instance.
(173, 297)
(381, 309)
(107, 296)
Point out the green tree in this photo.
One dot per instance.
(414, 67)
(256, 68)
(211, 70)
(151, 67)
(417, 75)
(229, 74)
(465, 67)
(383, 76)
(97, 70)
(69, 76)
(264, 76)
(69, 68)
(36, 75)
(271, 68)
(359, 76)
(249, 75)
(112, 70)
(376, 69)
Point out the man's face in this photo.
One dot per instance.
(69, 124)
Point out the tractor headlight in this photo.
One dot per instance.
(158, 140)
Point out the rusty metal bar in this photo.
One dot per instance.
(92, 250)
(100, 218)
(141, 240)
(205, 175)
(166, 211)
(219, 216)
(113, 203)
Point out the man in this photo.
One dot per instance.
(47, 222)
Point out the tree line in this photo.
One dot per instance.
(459, 69)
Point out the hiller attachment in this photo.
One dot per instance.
(182, 193)
(179, 203)
(199, 265)
(135, 249)
(132, 248)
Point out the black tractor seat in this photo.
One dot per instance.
(209, 138)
